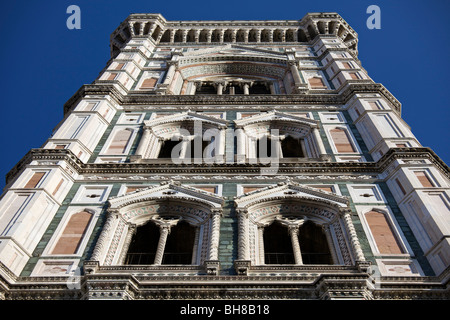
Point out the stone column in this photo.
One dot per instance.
(270, 32)
(295, 73)
(246, 32)
(359, 255)
(170, 72)
(241, 141)
(143, 144)
(233, 35)
(213, 252)
(261, 244)
(258, 35)
(319, 142)
(220, 86)
(196, 35)
(100, 246)
(130, 232)
(272, 88)
(184, 147)
(158, 146)
(243, 245)
(327, 231)
(164, 232)
(219, 145)
(195, 250)
(246, 88)
(293, 232)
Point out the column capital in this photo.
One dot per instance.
(216, 212)
(242, 212)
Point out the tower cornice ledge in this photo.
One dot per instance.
(156, 168)
(137, 98)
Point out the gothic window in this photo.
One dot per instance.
(259, 88)
(142, 249)
(206, 88)
(156, 33)
(166, 36)
(252, 36)
(313, 244)
(151, 242)
(203, 36)
(279, 249)
(292, 147)
(180, 244)
(277, 245)
(282, 137)
(166, 149)
(190, 36)
(178, 36)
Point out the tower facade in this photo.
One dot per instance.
(228, 160)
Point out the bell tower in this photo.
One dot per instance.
(228, 160)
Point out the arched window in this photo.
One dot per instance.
(143, 246)
(279, 249)
(180, 244)
(166, 149)
(260, 88)
(292, 148)
(313, 244)
(177, 247)
(277, 245)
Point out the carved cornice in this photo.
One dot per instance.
(263, 282)
(321, 168)
(134, 100)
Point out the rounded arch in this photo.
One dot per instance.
(267, 210)
(166, 210)
(294, 211)
(183, 136)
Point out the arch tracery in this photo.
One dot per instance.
(167, 206)
(293, 206)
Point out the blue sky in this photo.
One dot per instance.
(44, 63)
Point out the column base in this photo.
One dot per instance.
(242, 267)
(212, 267)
